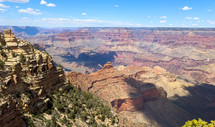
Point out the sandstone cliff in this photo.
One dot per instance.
(147, 96)
(132, 93)
(27, 76)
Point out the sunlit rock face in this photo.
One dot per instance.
(139, 94)
(27, 75)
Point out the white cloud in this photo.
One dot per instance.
(30, 11)
(209, 10)
(85, 20)
(55, 19)
(17, 6)
(163, 17)
(4, 6)
(211, 22)
(194, 24)
(116, 5)
(26, 18)
(16, 1)
(43, 2)
(188, 18)
(148, 16)
(196, 18)
(83, 13)
(51, 5)
(162, 21)
(2, 10)
(185, 8)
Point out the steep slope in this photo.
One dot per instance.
(27, 75)
(33, 91)
(140, 95)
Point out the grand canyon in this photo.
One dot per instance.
(182, 51)
(148, 77)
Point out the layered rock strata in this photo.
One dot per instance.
(138, 94)
(28, 75)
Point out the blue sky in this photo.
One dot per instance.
(108, 13)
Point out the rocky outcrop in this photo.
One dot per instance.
(138, 94)
(28, 75)
(9, 115)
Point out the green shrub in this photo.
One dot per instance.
(103, 117)
(36, 47)
(113, 121)
(3, 54)
(22, 58)
(3, 42)
(48, 123)
(14, 54)
(1, 64)
(60, 107)
(28, 121)
(63, 121)
(18, 95)
(84, 116)
(54, 121)
(199, 123)
(59, 65)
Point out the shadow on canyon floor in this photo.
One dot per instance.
(91, 59)
(200, 103)
(175, 111)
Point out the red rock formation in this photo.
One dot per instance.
(126, 90)
(174, 49)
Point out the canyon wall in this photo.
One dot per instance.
(148, 96)
(27, 76)
(178, 50)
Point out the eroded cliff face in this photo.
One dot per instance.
(28, 75)
(140, 95)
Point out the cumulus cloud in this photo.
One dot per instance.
(162, 21)
(26, 18)
(83, 13)
(211, 22)
(43, 2)
(185, 8)
(4, 6)
(163, 17)
(16, 1)
(116, 5)
(85, 20)
(195, 18)
(30, 11)
(55, 19)
(188, 18)
(2, 10)
(17, 6)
